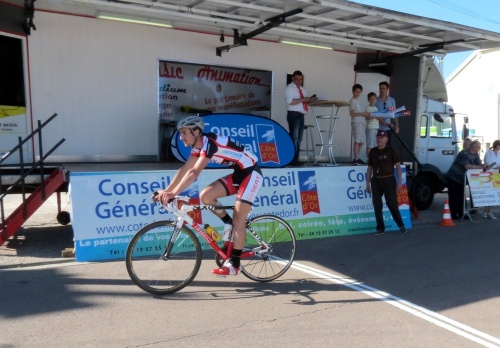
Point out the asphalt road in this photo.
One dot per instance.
(433, 287)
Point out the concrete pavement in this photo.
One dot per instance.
(433, 287)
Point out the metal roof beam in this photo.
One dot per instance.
(175, 11)
(403, 17)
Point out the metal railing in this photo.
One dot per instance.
(26, 169)
(415, 167)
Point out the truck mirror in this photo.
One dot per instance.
(438, 118)
(466, 132)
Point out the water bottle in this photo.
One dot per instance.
(212, 232)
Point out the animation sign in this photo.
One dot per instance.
(202, 88)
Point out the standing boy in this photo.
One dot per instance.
(372, 123)
(358, 123)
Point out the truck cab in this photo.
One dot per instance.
(433, 136)
(438, 140)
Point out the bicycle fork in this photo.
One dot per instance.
(171, 242)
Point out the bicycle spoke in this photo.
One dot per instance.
(274, 233)
(156, 270)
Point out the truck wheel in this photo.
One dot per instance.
(423, 195)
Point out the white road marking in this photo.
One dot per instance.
(47, 265)
(432, 317)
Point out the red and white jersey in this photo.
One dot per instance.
(224, 150)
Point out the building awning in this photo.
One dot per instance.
(343, 25)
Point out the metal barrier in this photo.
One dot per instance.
(25, 170)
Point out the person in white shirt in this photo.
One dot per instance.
(492, 158)
(296, 99)
(358, 123)
(372, 123)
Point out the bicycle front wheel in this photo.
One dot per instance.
(266, 264)
(162, 262)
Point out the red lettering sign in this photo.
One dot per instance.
(403, 196)
(195, 215)
(310, 202)
(170, 72)
(268, 152)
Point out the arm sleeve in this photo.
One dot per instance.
(288, 95)
(487, 157)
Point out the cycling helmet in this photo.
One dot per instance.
(191, 122)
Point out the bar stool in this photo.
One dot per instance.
(166, 131)
(330, 109)
(309, 142)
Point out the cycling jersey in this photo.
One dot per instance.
(247, 177)
(224, 150)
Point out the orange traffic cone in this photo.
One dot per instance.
(447, 221)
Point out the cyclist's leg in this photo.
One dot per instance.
(247, 193)
(222, 187)
(241, 211)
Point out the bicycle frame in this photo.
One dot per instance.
(182, 217)
(165, 256)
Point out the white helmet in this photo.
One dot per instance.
(191, 122)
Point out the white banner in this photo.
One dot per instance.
(109, 208)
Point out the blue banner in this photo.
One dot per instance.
(264, 137)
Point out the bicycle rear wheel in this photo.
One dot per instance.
(157, 271)
(268, 264)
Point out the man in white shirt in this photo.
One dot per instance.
(296, 100)
(385, 103)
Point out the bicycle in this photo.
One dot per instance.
(165, 256)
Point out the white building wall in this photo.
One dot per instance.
(101, 77)
(474, 89)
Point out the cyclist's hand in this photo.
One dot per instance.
(163, 197)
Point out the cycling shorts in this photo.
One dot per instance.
(245, 186)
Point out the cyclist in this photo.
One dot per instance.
(245, 181)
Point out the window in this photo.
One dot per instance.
(440, 127)
(423, 126)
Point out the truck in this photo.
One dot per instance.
(441, 132)
(431, 137)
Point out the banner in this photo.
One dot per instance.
(484, 187)
(266, 138)
(109, 208)
(202, 88)
(13, 124)
(391, 113)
